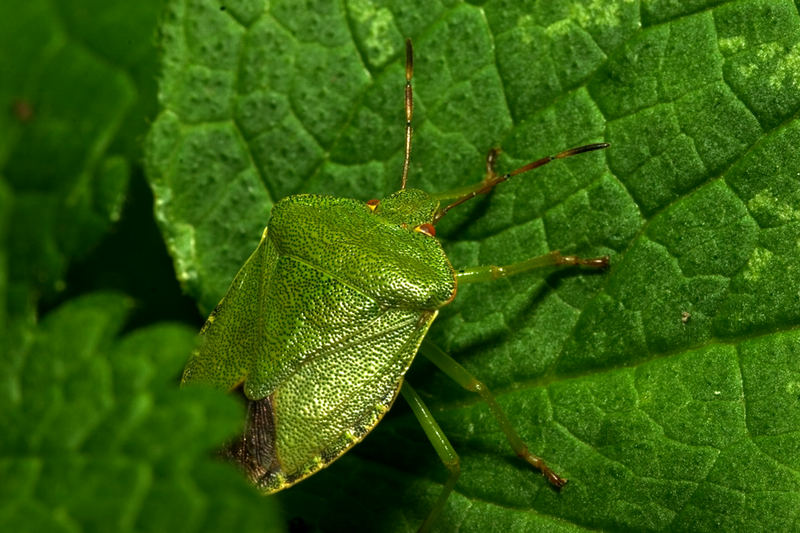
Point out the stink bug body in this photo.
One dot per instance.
(321, 323)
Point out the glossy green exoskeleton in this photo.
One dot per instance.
(321, 323)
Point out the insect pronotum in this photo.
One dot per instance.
(322, 321)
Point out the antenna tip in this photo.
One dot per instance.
(581, 150)
(595, 146)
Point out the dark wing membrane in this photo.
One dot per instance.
(333, 399)
(254, 450)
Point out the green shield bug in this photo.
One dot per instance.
(321, 323)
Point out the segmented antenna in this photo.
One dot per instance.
(409, 109)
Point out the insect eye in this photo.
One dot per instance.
(426, 229)
(373, 204)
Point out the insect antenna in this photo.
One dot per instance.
(493, 179)
(409, 109)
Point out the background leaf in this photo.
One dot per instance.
(77, 88)
(97, 436)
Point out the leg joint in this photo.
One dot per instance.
(476, 386)
(497, 272)
(453, 465)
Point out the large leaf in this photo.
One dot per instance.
(666, 388)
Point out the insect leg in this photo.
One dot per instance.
(460, 375)
(491, 176)
(554, 258)
(440, 443)
(493, 179)
(409, 110)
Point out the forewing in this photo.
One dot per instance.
(305, 309)
(334, 398)
(233, 336)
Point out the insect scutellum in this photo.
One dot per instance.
(421, 210)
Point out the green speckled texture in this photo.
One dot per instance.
(375, 255)
(409, 206)
(326, 316)
(329, 404)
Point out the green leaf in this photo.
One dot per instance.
(97, 436)
(666, 388)
(5, 222)
(77, 88)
